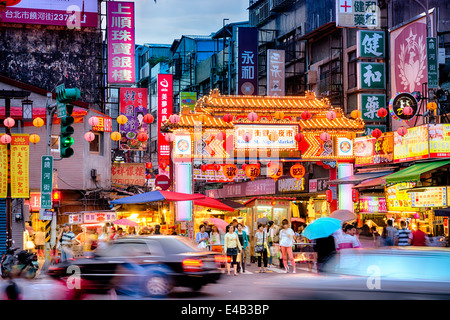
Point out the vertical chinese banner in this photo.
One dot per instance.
(121, 58)
(3, 171)
(165, 109)
(133, 104)
(20, 163)
(248, 61)
(275, 73)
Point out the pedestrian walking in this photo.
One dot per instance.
(390, 233)
(216, 244)
(231, 247)
(418, 237)
(286, 243)
(261, 247)
(402, 235)
(272, 240)
(325, 248)
(202, 237)
(348, 239)
(66, 239)
(243, 240)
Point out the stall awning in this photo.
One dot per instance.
(414, 172)
(445, 212)
(213, 203)
(357, 178)
(371, 183)
(153, 196)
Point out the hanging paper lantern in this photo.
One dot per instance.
(244, 166)
(174, 118)
(432, 106)
(122, 119)
(252, 171)
(355, 114)
(402, 131)
(142, 137)
(116, 136)
(297, 171)
(382, 112)
(376, 133)
(148, 118)
(93, 121)
(89, 136)
(148, 176)
(228, 117)
(329, 195)
(217, 167)
(331, 115)
(408, 111)
(279, 115)
(306, 115)
(34, 138)
(204, 167)
(273, 136)
(5, 139)
(38, 122)
(148, 165)
(355, 195)
(247, 136)
(9, 122)
(299, 137)
(325, 136)
(169, 137)
(274, 170)
(252, 116)
(230, 171)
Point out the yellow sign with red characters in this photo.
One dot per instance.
(20, 165)
(3, 171)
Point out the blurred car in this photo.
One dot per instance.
(375, 273)
(148, 265)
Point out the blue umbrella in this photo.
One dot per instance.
(321, 228)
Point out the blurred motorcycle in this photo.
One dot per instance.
(22, 265)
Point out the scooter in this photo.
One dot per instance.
(27, 264)
(9, 260)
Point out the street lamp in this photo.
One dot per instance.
(27, 110)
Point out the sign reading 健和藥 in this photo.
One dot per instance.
(121, 55)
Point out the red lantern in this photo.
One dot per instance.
(93, 121)
(329, 195)
(217, 167)
(306, 115)
(204, 167)
(275, 171)
(142, 137)
(382, 112)
(252, 116)
(230, 171)
(9, 122)
(148, 176)
(174, 118)
(148, 118)
(228, 117)
(325, 136)
(244, 166)
(402, 131)
(355, 195)
(299, 137)
(297, 171)
(376, 133)
(252, 171)
(408, 111)
(148, 165)
(331, 115)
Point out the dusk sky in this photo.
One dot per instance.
(166, 20)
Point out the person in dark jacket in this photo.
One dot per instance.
(325, 249)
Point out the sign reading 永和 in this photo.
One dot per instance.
(247, 61)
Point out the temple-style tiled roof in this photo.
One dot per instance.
(211, 109)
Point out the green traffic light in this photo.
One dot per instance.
(67, 142)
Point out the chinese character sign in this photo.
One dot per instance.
(3, 171)
(121, 59)
(371, 75)
(275, 72)
(370, 44)
(432, 63)
(357, 13)
(20, 166)
(128, 173)
(165, 109)
(133, 104)
(370, 104)
(247, 61)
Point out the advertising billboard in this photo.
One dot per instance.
(70, 13)
(165, 109)
(133, 104)
(260, 136)
(413, 145)
(373, 151)
(248, 61)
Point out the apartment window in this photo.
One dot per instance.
(95, 146)
(352, 71)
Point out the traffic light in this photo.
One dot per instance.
(56, 199)
(64, 96)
